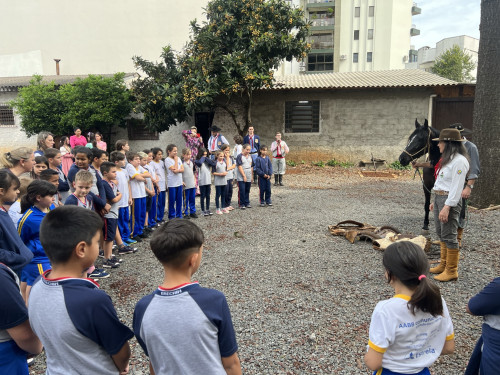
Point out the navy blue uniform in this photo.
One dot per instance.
(263, 166)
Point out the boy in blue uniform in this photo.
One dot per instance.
(182, 327)
(75, 321)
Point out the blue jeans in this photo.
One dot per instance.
(205, 197)
(152, 211)
(220, 196)
(229, 193)
(244, 193)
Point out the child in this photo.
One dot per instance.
(409, 331)
(67, 156)
(183, 311)
(188, 180)
(205, 164)
(137, 175)
(220, 173)
(229, 177)
(41, 163)
(126, 201)
(54, 158)
(279, 149)
(113, 196)
(174, 167)
(150, 190)
(52, 176)
(244, 163)
(15, 210)
(159, 166)
(75, 321)
(486, 354)
(264, 169)
(38, 200)
(238, 147)
(152, 223)
(82, 196)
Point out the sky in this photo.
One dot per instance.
(445, 18)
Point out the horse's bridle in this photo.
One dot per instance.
(425, 149)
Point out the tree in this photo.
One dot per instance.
(95, 102)
(487, 106)
(454, 64)
(235, 51)
(159, 95)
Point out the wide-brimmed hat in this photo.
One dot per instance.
(193, 127)
(460, 128)
(214, 128)
(449, 135)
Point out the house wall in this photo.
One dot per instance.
(11, 136)
(354, 124)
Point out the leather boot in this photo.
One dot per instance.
(450, 272)
(276, 180)
(460, 232)
(442, 263)
(281, 180)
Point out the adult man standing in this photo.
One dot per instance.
(254, 142)
(215, 141)
(279, 149)
(474, 170)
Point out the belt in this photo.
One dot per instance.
(441, 192)
(278, 157)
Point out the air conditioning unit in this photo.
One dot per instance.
(405, 59)
(343, 57)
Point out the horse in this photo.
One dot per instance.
(420, 143)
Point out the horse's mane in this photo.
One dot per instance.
(434, 154)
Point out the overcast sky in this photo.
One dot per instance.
(444, 18)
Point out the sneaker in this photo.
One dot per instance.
(101, 253)
(210, 213)
(205, 213)
(242, 207)
(148, 230)
(218, 212)
(225, 210)
(30, 361)
(194, 216)
(114, 246)
(125, 250)
(269, 204)
(98, 273)
(248, 206)
(115, 259)
(129, 241)
(263, 205)
(137, 239)
(186, 217)
(108, 263)
(142, 235)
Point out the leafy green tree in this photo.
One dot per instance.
(94, 102)
(159, 96)
(454, 64)
(235, 50)
(40, 107)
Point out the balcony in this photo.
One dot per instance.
(415, 10)
(322, 24)
(414, 31)
(321, 42)
(320, 4)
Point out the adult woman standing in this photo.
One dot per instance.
(78, 139)
(450, 172)
(67, 156)
(194, 142)
(18, 161)
(45, 140)
(99, 142)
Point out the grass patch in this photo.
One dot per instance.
(336, 163)
(318, 164)
(291, 163)
(397, 166)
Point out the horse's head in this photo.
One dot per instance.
(417, 143)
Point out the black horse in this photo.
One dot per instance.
(420, 143)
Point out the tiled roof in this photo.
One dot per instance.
(13, 83)
(352, 80)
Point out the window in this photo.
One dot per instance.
(6, 115)
(318, 62)
(356, 11)
(356, 34)
(370, 33)
(368, 57)
(137, 131)
(302, 116)
(354, 57)
(371, 11)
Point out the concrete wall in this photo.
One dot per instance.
(11, 136)
(353, 123)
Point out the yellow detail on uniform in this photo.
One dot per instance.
(40, 269)
(378, 349)
(21, 223)
(379, 371)
(403, 296)
(450, 337)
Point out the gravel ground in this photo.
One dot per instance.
(301, 299)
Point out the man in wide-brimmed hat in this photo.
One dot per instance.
(215, 141)
(475, 168)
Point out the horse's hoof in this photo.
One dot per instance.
(425, 232)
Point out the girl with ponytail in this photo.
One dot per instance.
(409, 331)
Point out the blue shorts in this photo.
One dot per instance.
(109, 229)
(12, 359)
(384, 371)
(31, 271)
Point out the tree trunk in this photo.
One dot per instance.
(487, 107)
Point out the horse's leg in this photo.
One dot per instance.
(428, 182)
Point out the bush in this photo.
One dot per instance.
(397, 166)
(291, 163)
(343, 164)
(319, 164)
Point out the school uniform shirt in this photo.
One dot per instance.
(13, 311)
(237, 150)
(173, 179)
(188, 175)
(159, 168)
(122, 179)
(87, 202)
(263, 166)
(279, 150)
(205, 167)
(185, 330)
(13, 251)
(15, 212)
(77, 325)
(215, 143)
(230, 174)
(111, 191)
(246, 163)
(219, 168)
(149, 180)
(29, 231)
(63, 180)
(451, 178)
(253, 141)
(137, 187)
(409, 342)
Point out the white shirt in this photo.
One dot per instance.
(159, 168)
(408, 342)
(122, 179)
(451, 178)
(173, 179)
(138, 188)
